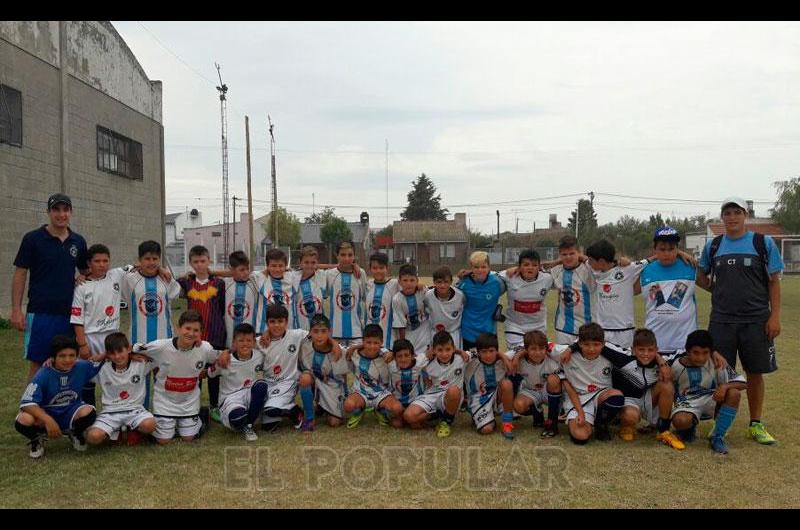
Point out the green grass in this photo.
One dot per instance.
(614, 474)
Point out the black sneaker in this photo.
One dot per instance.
(602, 433)
(550, 429)
(270, 427)
(37, 447)
(538, 418)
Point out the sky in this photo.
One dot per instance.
(521, 117)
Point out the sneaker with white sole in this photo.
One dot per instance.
(37, 447)
(249, 433)
(78, 443)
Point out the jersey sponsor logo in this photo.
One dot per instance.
(76, 311)
(151, 304)
(239, 310)
(747, 262)
(377, 311)
(202, 295)
(180, 384)
(276, 369)
(63, 398)
(63, 380)
(124, 394)
(110, 310)
(527, 307)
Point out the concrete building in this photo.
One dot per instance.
(78, 115)
(310, 235)
(174, 225)
(211, 237)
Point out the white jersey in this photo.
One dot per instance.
(439, 377)
(669, 302)
(239, 374)
(445, 315)
(587, 375)
(124, 390)
(483, 379)
(379, 307)
(149, 299)
(95, 303)
(278, 291)
(281, 356)
(242, 303)
(526, 308)
(534, 376)
(614, 295)
(346, 295)
(322, 366)
(692, 381)
(576, 306)
(407, 382)
(409, 313)
(308, 296)
(371, 376)
(176, 391)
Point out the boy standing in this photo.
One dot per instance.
(242, 296)
(346, 294)
(277, 287)
(445, 304)
(482, 289)
(309, 287)
(380, 294)
(408, 308)
(526, 292)
(575, 283)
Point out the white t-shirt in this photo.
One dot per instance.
(379, 307)
(445, 315)
(614, 295)
(95, 303)
(238, 375)
(149, 299)
(281, 356)
(346, 295)
(442, 376)
(242, 302)
(526, 308)
(409, 313)
(124, 390)
(576, 304)
(308, 296)
(276, 291)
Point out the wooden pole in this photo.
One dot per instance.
(252, 253)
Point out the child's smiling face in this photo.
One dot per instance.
(404, 359)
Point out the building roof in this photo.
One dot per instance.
(170, 217)
(429, 231)
(384, 241)
(767, 227)
(310, 233)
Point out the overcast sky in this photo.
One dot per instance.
(492, 112)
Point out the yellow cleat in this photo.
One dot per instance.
(627, 433)
(669, 438)
(443, 430)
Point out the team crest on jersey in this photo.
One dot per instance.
(377, 312)
(279, 298)
(542, 292)
(116, 286)
(458, 371)
(151, 304)
(199, 365)
(135, 379)
(276, 391)
(488, 296)
(292, 348)
(310, 306)
(239, 310)
(606, 370)
(619, 275)
(454, 314)
(344, 301)
(260, 368)
(73, 251)
(570, 297)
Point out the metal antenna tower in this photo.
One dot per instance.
(274, 184)
(223, 110)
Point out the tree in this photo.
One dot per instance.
(288, 227)
(787, 207)
(334, 231)
(423, 202)
(322, 217)
(587, 225)
(387, 230)
(479, 240)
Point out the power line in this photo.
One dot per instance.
(178, 57)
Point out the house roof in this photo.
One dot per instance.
(769, 228)
(310, 233)
(384, 241)
(170, 217)
(429, 231)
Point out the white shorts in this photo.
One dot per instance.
(167, 425)
(645, 407)
(237, 400)
(539, 397)
(281, 395)
(97, 341)
(373, 400)
(620, 338)
(589, 404)
(514, 341)
(330, 397)
(703, 407)
(111, 422)
(566, 338)
(430, 403)
(483, 415)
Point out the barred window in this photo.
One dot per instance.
(118, 154)
(10, 116)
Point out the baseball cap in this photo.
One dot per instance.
(738, 201)
(666, 233)
(58, 198)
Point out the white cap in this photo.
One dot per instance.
(738, 201)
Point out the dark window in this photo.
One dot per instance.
(118, 154)
(10, 116)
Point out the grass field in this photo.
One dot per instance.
(373, 466)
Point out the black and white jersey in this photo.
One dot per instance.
(238, 375)
(442, 376)
(587, 375)
(281, 357)
(123, 390)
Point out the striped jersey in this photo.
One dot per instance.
(278, 291)
(242, 302)
(207, 297)
(445, 315)
(379, 308)
(407, 382)
(587, 375)
(669, 302)
(149, 299)
(575, 288)
(526, 308)
(371, 376)
(693, 381)
(322, 366)
(614, 296)
(483, 379)
(281, 356)
(308, 295)
(346, 295)
(123, 390)
(95, 303)
(438, 377)
(409, 313)
(238, 375)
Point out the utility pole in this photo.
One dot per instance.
(577, 218)
(233, 240)
(223, 110)
(313, 203)
(274, 184)
(252, 249)
(387, 182)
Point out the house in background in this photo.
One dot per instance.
(174, 248)
(429, 244)
(310, 236)
(211, 237)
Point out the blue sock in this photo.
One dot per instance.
(307, 397)
(508, 417)
(724, 420)
(356, 412)
(238, 418)
(258, 396)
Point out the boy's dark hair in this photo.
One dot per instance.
(443, 273)
(486, 341)
(149, 247)
(320, 320)
(402, 344)
(97, 248)
(308, 250)
(238, 258)
(116, 341)
(341, 245)
(198, 250)
(602, 249)
(442, 338)
(529, 254)
(536, 338)
(244, 329)
(380, 258)
(699, 338)
(277, 312)
(276, 254)
(568, 241)
(63, 342)
(591, 332)
(373, 331)
(190, 315)
(644, 337)
(407, 269)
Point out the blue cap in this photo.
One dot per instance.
(667, 233)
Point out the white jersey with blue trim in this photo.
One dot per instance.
(149, 299)
(371, 375)
(483, 379)
(242, 301)
(526, 308)
(438, 377)
(409, 314)
(445, 315)
(322, 366)
(308, 296)
(346, 303)
(576, 287)
(238, 375)
(123, 390)
(278, 291)
(614, 296)
(691, 381)
(379, 307)
(282, 355)
(407, 382)
(95, 303)
(669, 302)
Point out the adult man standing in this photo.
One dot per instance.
(742, 270)
(51, 254)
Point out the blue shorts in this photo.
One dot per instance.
(64, 415)
(40, 328)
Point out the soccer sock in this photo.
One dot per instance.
(508, 417)
(553, 406)
(663, 424)
(307, 397)
(724, 420)
(83, 423)
(258, 396)
(538, 417)
(28, 431)
(516, 381)
(238, 418)
(609, 409)
(87, 394)
(356, 412)
(213, 392)
(447, 417)
(578, 441)
(753, 422)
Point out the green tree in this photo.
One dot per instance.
(322, 217)
(587, 225)
(288, 227)
(334, 231)
(423, 202)
(479, 240)
(787, 207)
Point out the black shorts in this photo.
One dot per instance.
(750, 341)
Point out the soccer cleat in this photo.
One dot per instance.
(759, 433)
(249, 433)
(354, 420)
(550, 429)
(601, 432)
(134, 438)
(37, 447)
(443, 429)
(627, 433)
(669, 438)
(508, 430)
(78, 443)
(215, 415)
(307, 426)
(688, 435)
(718, 445)
(381, 418)
(270, 427)
(538, 418)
